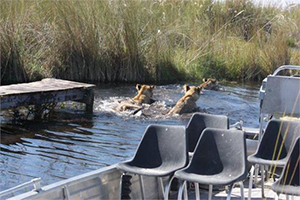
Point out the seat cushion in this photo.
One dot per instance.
(158, 171)
(256, 160)
(223, 178)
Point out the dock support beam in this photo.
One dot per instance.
(89, 101)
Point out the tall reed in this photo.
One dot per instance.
(144, 41)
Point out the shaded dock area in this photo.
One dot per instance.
(46, 92)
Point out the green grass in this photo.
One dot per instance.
(145, 41)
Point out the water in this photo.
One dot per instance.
(72, 144)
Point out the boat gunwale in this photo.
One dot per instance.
(66, 183)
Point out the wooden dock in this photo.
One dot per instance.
(46, 91)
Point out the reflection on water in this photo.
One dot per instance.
(74, 144)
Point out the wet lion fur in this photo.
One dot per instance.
(144, 96)
(188, 102)
(214, 85)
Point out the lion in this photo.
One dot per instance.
(214, 85)
(187, 103)
(144, 96)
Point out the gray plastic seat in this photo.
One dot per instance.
(162, 151)
(201, 121)
(219, 159)
(289, 181)
(274, 147)
(276, 143)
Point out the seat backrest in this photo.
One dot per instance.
(201, 121)
(290, 175)
(278, 139)
(162, 144)
(282, 95)
(219, 150)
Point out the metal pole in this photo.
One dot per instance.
(180, 191)
(161, 185)
(142, 186)
(210, 192)
(229, 192)
(251, 182)
(186, 197)
(167, 188)
(197, 191)
(262, 171)
(242, 190)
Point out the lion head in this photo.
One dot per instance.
(145, 93)
(187, 103)
(192, 92)
(213, 84)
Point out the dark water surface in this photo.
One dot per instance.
(74, 144)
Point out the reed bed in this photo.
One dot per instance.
(145, 41)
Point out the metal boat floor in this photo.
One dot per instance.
(235, 195)
(104, 184)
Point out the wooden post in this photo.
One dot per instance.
(89, 101)
(38, 111)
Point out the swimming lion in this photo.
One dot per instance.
(144, 96)
(214, 85)
(188, 102)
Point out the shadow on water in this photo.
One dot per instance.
(70, 143)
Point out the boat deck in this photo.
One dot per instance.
(236, 195)
(104, 184)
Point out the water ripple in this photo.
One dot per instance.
(65, 148)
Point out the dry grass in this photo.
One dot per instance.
(144, 41)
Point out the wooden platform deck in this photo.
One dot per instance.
(46, 91)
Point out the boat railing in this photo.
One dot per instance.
(278, 95)
(36, 182)
(286, 67)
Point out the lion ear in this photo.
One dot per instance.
(138, 87)
(186, 87)
(213, 80)
(204, 80)
(208, 81)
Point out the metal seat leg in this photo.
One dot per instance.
(197, 191)
(262, 171)
(180, 191)
(251, 182)
(256, 169)
(167, 188)
(229, 192)
(210, 192)
(186, 197)
(242, 190)
(161, 183)
(142, 187)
